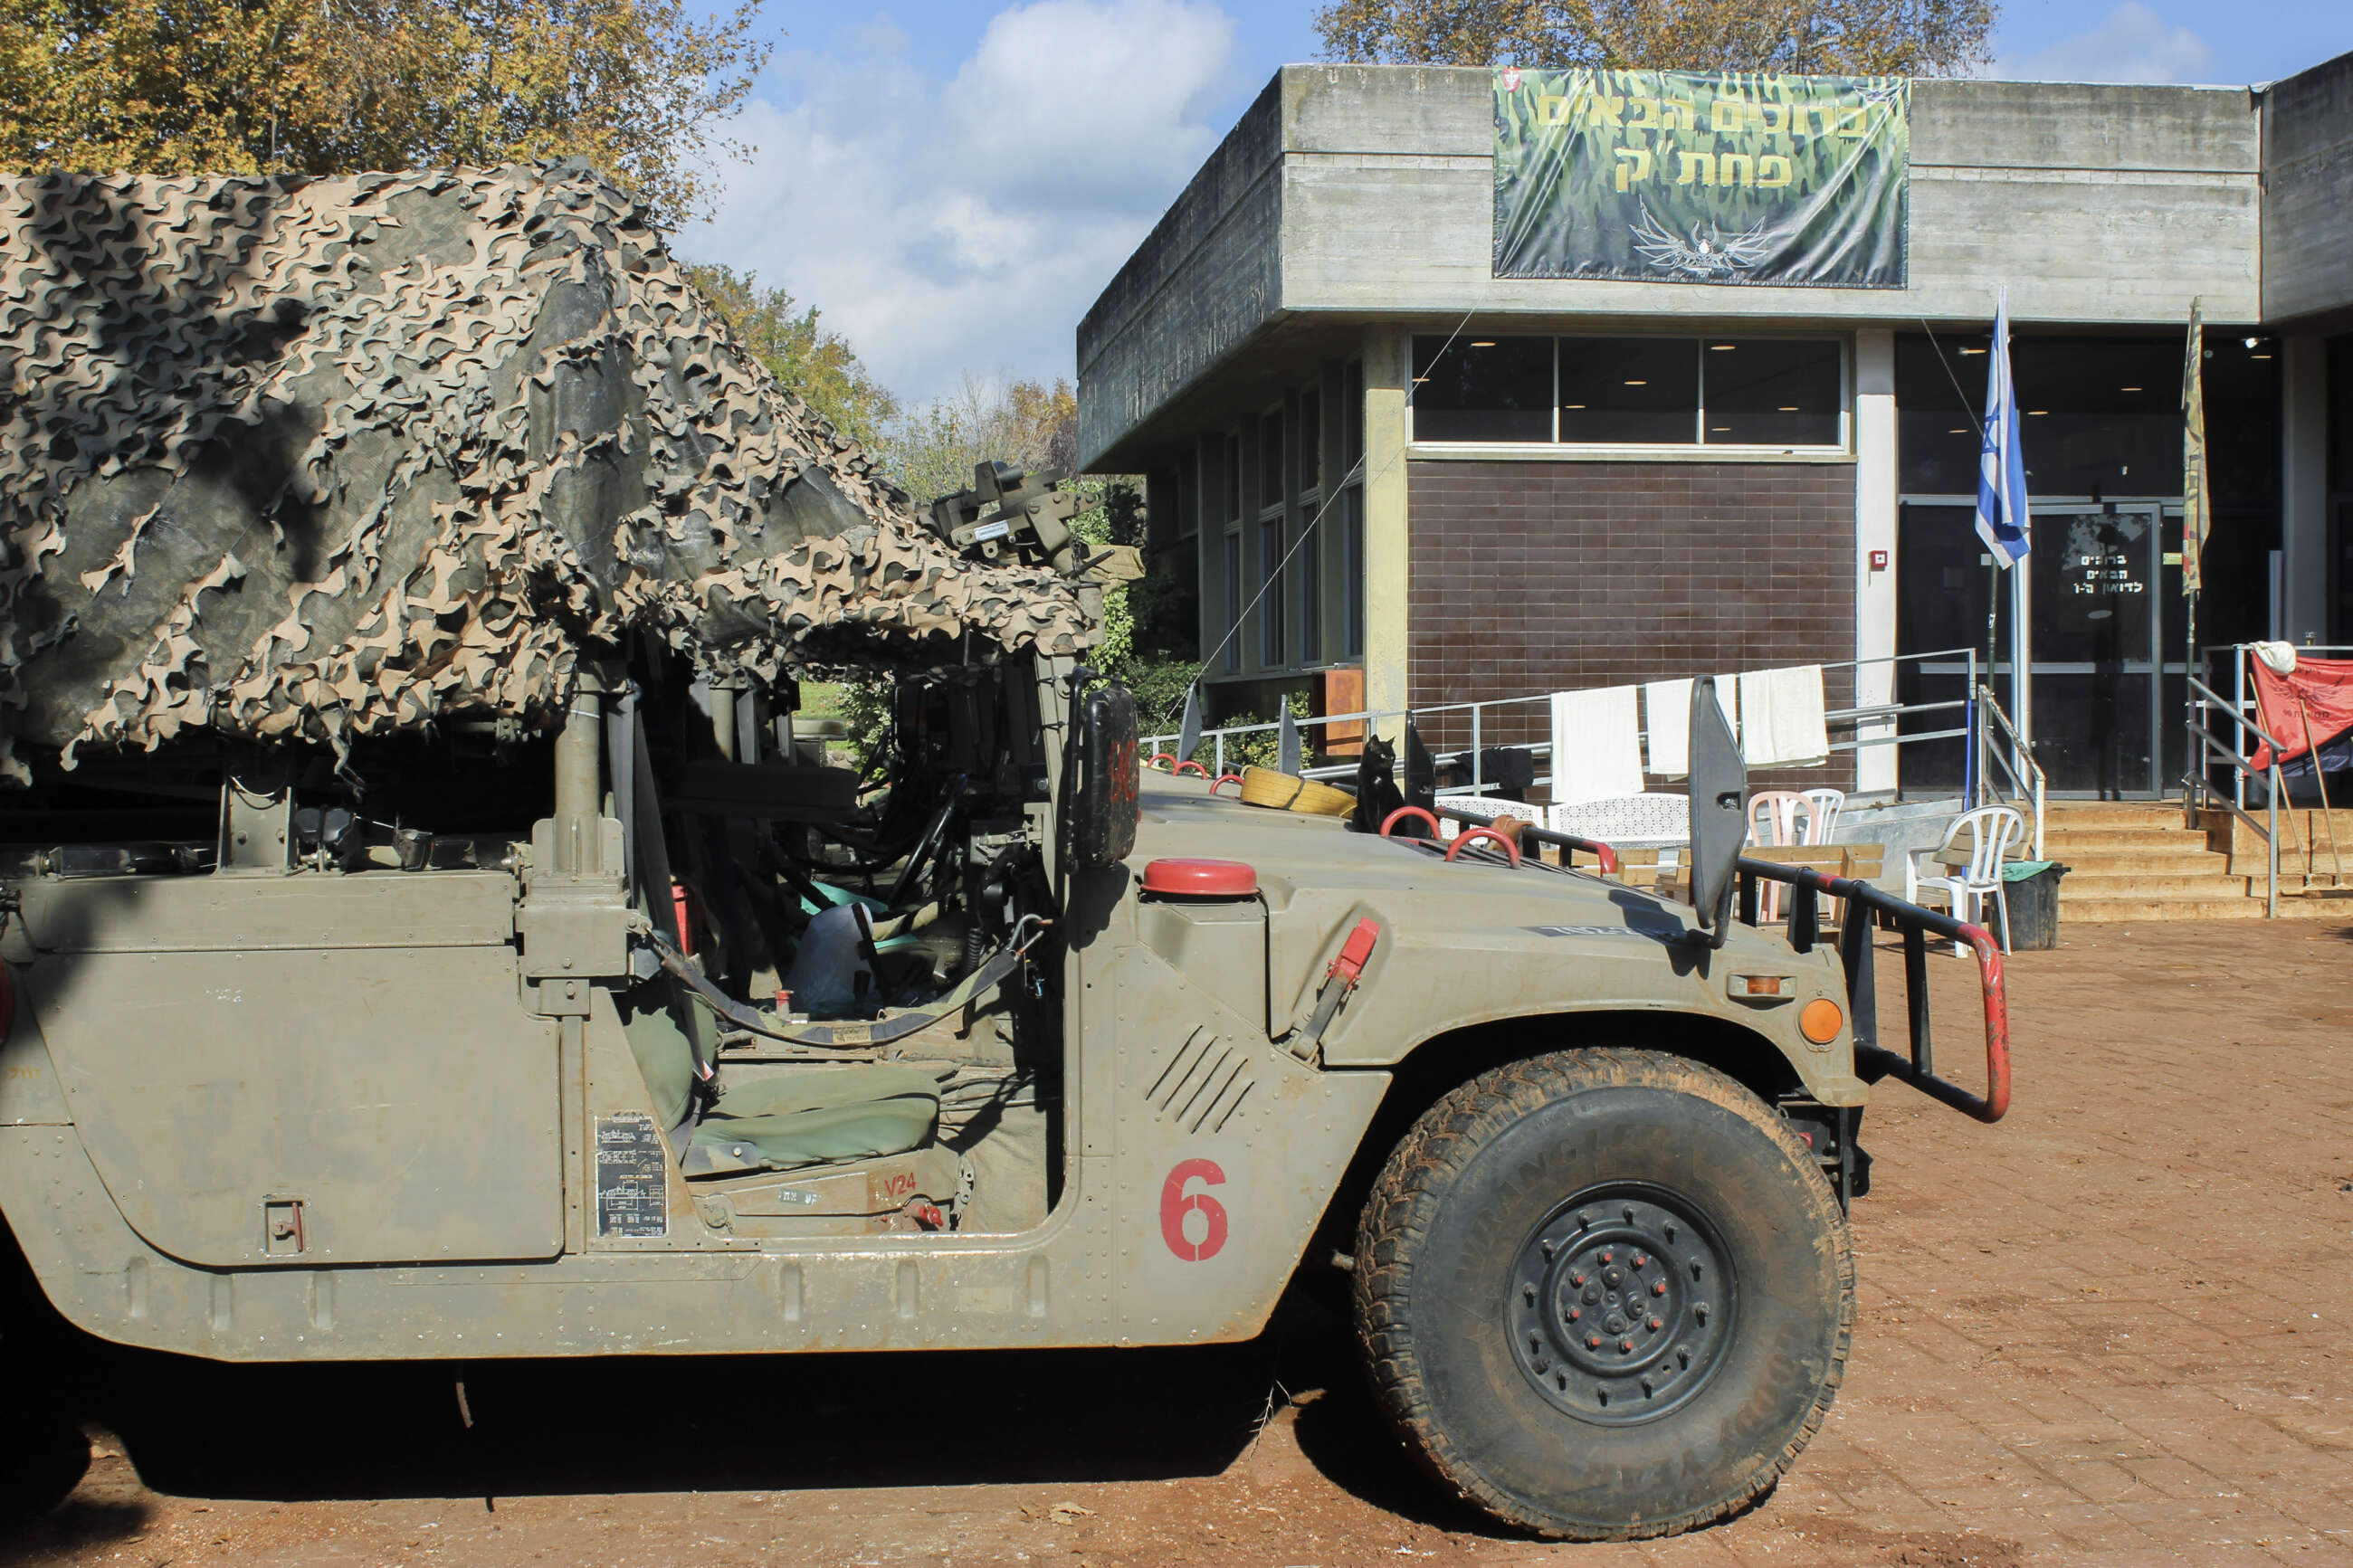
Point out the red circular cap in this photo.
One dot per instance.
(1201, 878)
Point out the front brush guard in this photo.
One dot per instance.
(1872, 1060)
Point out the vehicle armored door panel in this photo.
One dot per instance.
(401, 1096)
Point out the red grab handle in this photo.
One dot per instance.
(1467, 836)
(1403, 811)
(1197, 768)
(1225, 779)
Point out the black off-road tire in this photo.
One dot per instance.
(43, 1457)
(1662, 1189)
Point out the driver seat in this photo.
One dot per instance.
(820, 1114)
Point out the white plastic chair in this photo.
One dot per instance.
(1772, 822)
(1991, 830)
(1773, 816)
(1821, 808)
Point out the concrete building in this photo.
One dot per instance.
(1313, 329)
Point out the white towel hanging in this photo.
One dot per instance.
(1597, 745)
(1666, 717)
(1781, 717)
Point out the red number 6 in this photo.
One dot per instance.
(1175, 1203)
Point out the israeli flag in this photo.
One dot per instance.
(2002, 460)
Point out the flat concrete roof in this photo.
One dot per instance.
(1354, 194)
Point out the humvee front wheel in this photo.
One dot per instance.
(1604, 1294)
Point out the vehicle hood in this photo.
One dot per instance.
(1471, 941)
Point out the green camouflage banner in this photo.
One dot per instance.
(1674, 177)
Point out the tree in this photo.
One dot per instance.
(817, 364)
(1837, 38)
(328, 87)
(1028, 423)
(931, 450)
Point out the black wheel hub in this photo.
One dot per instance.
(1620, 1304)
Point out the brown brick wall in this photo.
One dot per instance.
(1533, 577)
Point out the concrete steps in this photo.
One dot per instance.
(2109, 912)
(2134, 861)
(2080, 885)
(2189, 859)
(2239, 908)
(2119, 836)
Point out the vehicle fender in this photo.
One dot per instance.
(1434, 980)
(29, 1093)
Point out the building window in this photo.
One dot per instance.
(1309, 568)
(1482, 389)
(1270, 603)
(1630, 392)
(1352, 418)
(1311, 442)
(1273, 490)
(1772, 392)
(1231, 488)
(1270, 460)
(1233, 599)
(2100, 414)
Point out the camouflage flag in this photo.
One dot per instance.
(2197, 505)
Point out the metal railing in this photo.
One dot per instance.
(1998, 746)
(2210, 752)
(1877, 724)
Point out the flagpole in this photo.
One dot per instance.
(2003, 521)
(2196, 507)
(2021, 657)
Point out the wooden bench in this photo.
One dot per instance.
(1856, 862)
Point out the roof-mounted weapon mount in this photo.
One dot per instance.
(1010, 511)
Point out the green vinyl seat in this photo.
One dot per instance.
(818, 1115)
(811, 1115)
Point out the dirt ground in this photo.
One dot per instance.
(2112, 1330)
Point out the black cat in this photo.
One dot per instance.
(1377, 794)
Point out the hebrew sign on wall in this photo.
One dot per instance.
(1672, 178)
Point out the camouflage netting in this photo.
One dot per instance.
(325, 459)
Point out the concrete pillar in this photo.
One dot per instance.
(2304, 486)
(1389, 378)
(1874, 529)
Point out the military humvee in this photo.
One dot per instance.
(1038, 1048)
(423, 934)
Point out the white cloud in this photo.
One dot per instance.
(947, 227)
(2132, 44)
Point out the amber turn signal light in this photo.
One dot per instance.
(1819, 1020)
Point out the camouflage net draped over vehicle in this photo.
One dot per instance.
(319, 460)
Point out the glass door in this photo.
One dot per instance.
(2107, 581)
(2098, 577)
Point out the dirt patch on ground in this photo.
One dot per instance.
(2113, 1329)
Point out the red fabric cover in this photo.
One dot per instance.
(2320, 691)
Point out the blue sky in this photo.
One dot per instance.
(951, 182)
